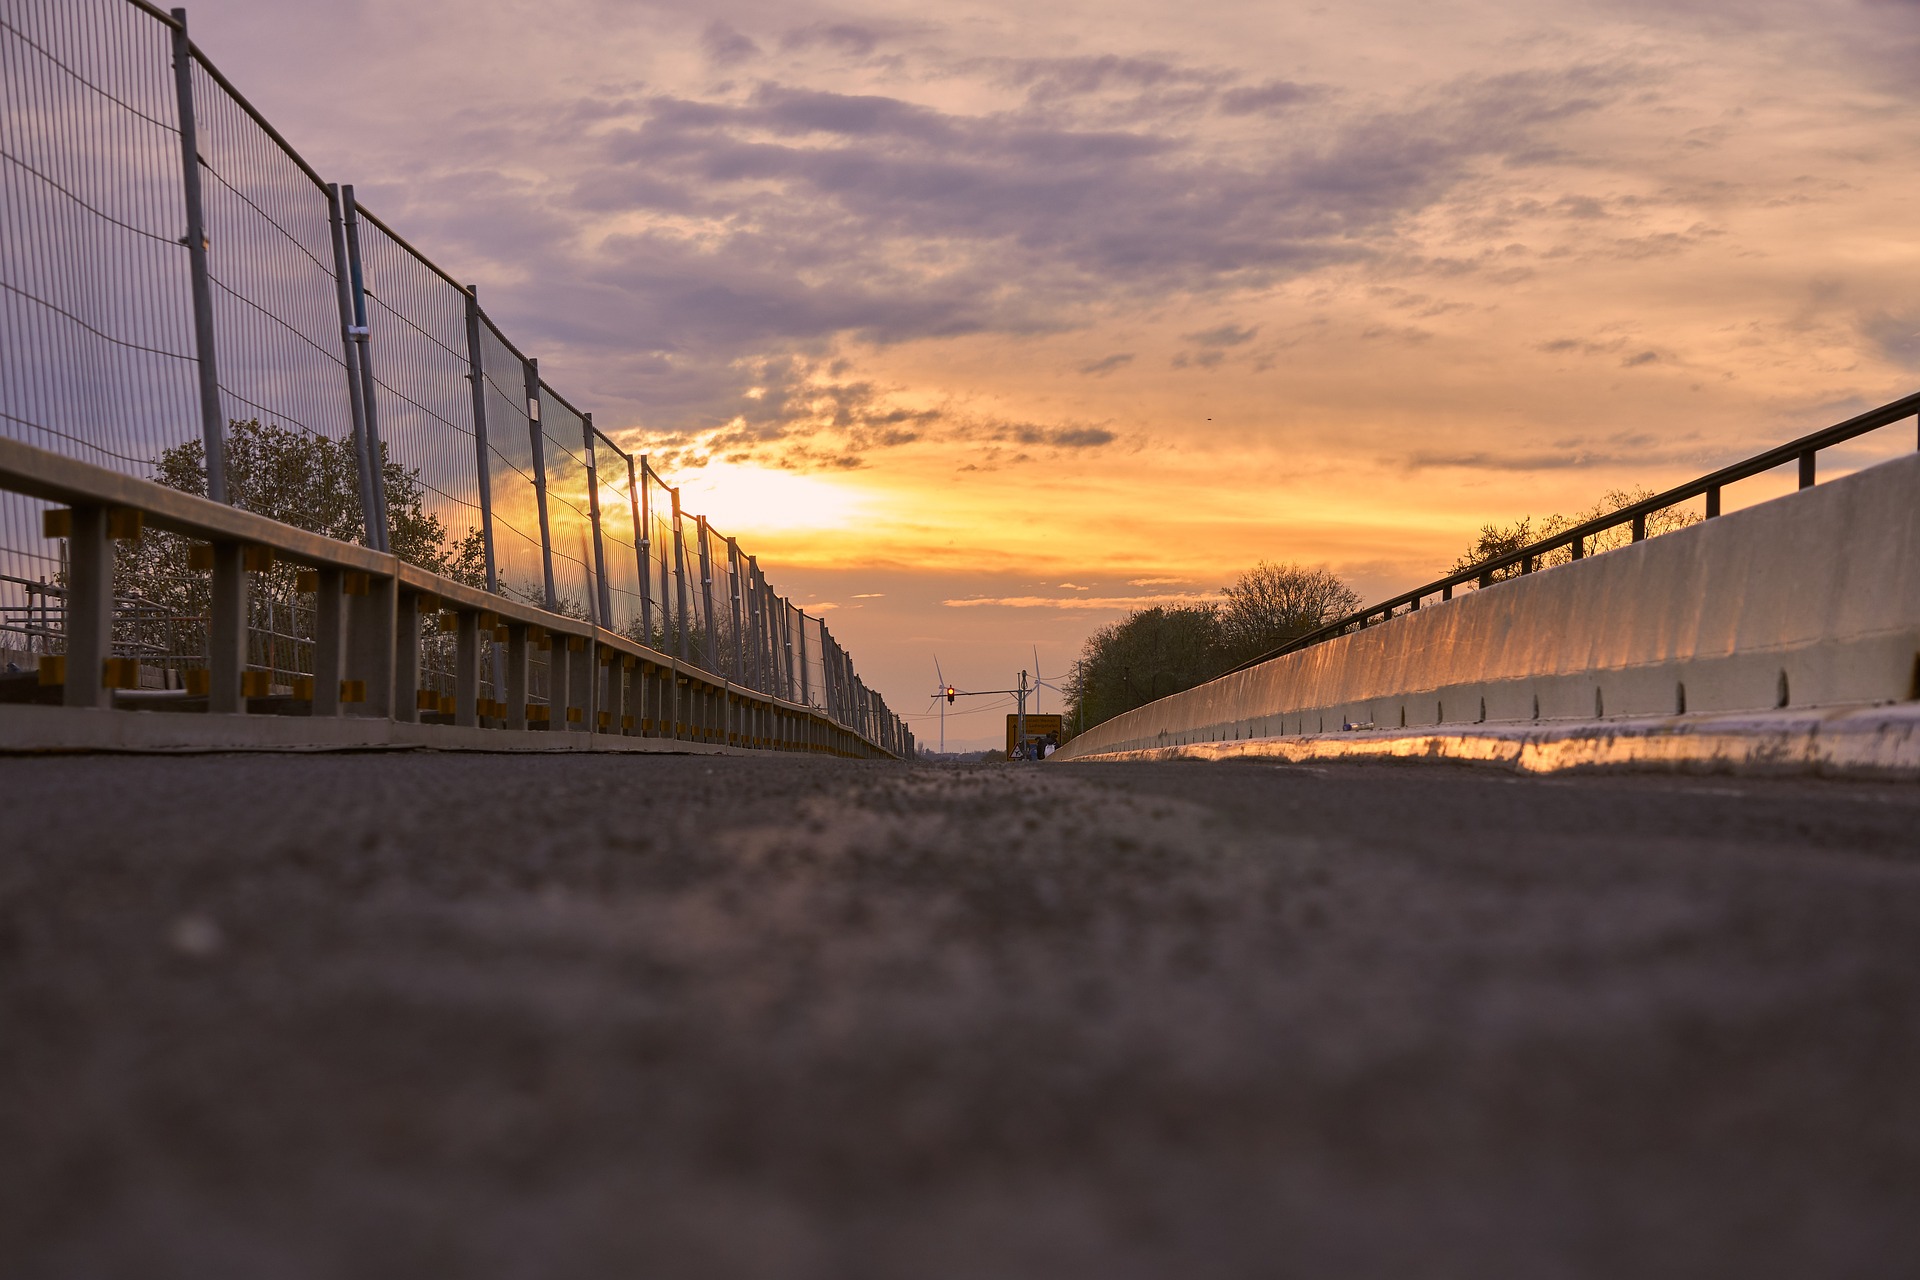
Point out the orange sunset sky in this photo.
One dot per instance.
(983, 325)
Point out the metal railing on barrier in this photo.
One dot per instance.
(1577, 540)
(186, 300)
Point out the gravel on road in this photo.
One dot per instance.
(409, 1015)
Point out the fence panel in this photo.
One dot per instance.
(96, 315)
(418, 356)
(662, 584)
(519, 561)
(569, 512)
(618, 540)
(276, 320)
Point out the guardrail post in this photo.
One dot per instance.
(213, 424)
(371, 621)
(1713, 502)
(227, 630)
(329, 655)
(1806, 469)
(1640, 527)
(466, 669)
(516, 676)
(89, 623)
(404, 641)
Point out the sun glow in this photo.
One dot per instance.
(741, 500)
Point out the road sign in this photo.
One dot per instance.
(1050, 730)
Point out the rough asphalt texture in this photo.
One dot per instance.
(419, 1016)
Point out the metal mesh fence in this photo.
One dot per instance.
(569, 490)
(270, 257)
(618, 542)
(357, 390)
(418, 359)
(518, 553)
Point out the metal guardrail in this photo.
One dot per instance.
(372, 612)
(1802, 451)
(178, 283)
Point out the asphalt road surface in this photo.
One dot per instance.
(434, 1015)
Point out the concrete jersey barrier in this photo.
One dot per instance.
(1810, 600)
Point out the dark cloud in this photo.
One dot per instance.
(1896, 335)
(725, 46)
(1270, 98)
(845, 37)
(1107, 364)
(1227, 335)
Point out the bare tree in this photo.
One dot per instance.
(1495, 541)
(1274, 603)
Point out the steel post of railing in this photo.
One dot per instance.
(408, 606)
(89, 606)
(329, 640)
(515, 687)
(227, 630)
(466, 668)
(373, 616)
(213, 423)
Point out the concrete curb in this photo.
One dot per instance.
(39, 730)
(1866, 742)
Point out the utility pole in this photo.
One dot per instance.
(1020, 735)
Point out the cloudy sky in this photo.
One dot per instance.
(982, 328)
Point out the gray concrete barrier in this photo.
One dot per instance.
(1808, 601)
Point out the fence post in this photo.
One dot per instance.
(679, 577)
(476, 375)
(806, 682)
(531, 370)
(734, 602)
(636, 496)
(709, 659)
(350, 354)
(592, 447)
(376, 456)
(213, 424)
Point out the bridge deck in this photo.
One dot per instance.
(839, 1020)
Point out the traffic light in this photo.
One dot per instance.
(950, 693)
